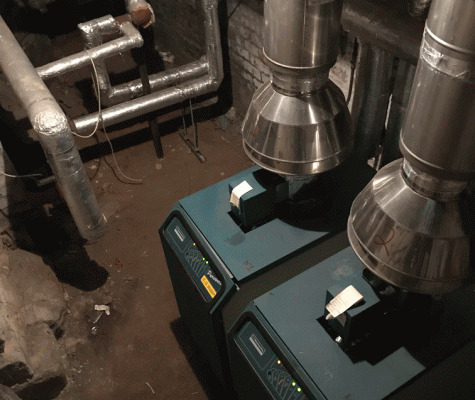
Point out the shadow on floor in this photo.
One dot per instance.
(53, 235)
(202, 370)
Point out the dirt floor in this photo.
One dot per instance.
(141, 350)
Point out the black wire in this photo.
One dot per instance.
(235, 8)
(354, 57)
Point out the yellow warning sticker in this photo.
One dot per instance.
(208, 286)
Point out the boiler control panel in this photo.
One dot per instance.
(192, 259)
(267, 365)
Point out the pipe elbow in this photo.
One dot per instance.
(52, 125)
(215, 80)
(133, 35)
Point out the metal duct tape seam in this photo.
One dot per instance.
(448, 59)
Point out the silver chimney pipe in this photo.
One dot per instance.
(413, 225)
(54, 134)
(297, 123)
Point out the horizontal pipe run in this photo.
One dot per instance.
(173, 95)
(54, 133)
(160, 80)
(143, 105)
(131, 39)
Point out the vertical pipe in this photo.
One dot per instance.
(54, 134)
(397, 113)
(302, 34)
(439, 132)
(93, 33)
(371, 98)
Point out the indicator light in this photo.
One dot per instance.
(204, 258)
(279, 362)
(299, 390)
(293, 383)
(194, 244)
(207, 262)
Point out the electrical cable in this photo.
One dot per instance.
(353, 68)
(101, 121)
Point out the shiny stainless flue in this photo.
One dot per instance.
(298, 135)
(413, 225)
(54, 133)
(302, 34)
(439, 132)
(418, 243)
(298, 122)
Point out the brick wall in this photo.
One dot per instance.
(179, 30)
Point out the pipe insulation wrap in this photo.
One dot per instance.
(106, 25)
(54, 134)
(173, 95)
(131, 39)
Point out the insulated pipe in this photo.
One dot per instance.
(371, 98)
(160, 80)
(131, 39)
(54, 134)
(174, 95)
(93, 33)
(439, 133)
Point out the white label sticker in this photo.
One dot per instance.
(346, 299)
(239, 191)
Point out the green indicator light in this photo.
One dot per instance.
(299, 390)
(204, 258)
(293, 383)
(207, 262)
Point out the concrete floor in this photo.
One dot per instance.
(141, 350)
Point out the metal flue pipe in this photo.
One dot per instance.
(54, 133)
(167, 97)
(439, 133)
(414, 224)
(298, 123)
